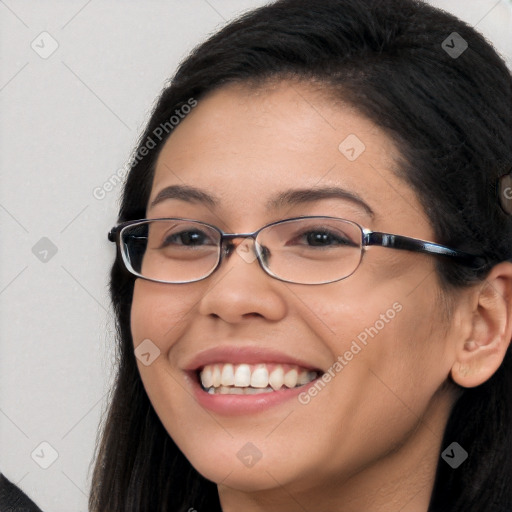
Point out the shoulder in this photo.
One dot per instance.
(13, 499)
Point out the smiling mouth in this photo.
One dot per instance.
(253, 379)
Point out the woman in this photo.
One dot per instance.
(312, 290)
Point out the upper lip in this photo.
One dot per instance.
(245, 354)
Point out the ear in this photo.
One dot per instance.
(481, 353)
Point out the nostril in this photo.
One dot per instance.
(252, 315)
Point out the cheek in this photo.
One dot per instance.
(159, 312)
(390, 359)
(390, 342)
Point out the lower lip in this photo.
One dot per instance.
(243, 404)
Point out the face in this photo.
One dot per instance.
(375, 342)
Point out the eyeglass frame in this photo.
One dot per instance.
(369, 238)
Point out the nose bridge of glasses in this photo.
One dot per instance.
(233, 236)
(243, 247)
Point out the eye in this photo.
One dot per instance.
(188, 238)
(324, 238)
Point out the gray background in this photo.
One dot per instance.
(69, 122)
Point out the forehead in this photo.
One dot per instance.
(243, 145)
(275, 124)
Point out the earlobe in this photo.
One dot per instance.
(480, 355)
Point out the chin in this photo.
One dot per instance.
(252, 476)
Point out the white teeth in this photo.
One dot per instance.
(251, 391)
(225, 390)
(216, 376)
(305, 377)
(207, 377)
(228, 375)
(246, 379)
(243, 376)
(276, 379)
(259, 377)
(290, 378)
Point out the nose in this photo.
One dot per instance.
(240, 288)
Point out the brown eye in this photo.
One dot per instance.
(325, 238)
(187, 238)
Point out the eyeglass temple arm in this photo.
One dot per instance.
(112, 235)
(416, 245)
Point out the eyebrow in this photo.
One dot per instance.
(185, 193)
(292, 197)
(288, 197)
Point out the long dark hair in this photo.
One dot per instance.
(450, 116)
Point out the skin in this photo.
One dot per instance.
(370, 440)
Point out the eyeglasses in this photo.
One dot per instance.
(301, 250)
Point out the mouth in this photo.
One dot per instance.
(235, 380)
(253, 379)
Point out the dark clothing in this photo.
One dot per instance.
(13, 499)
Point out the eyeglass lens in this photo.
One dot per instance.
(307, 251)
